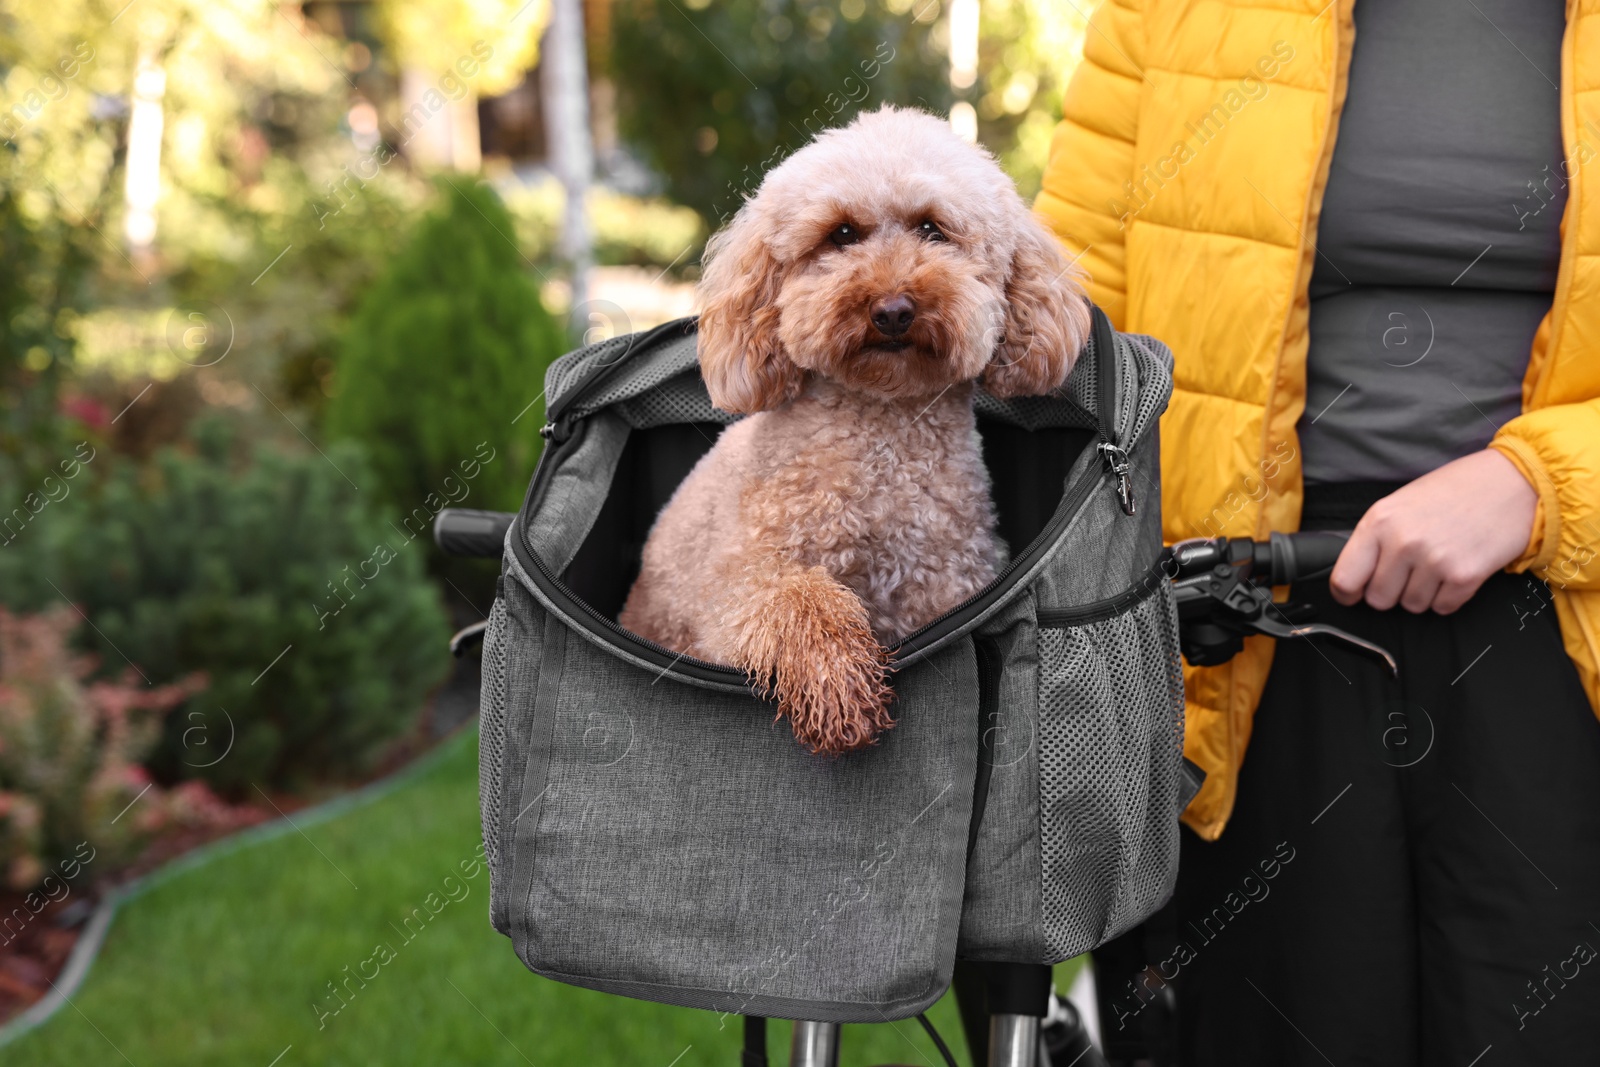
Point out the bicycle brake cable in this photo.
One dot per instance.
(944, 1050)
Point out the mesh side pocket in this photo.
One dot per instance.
(492, 734)
(1111, 745)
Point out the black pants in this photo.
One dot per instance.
(1412, 871)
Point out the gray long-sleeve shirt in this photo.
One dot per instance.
(1438, 241)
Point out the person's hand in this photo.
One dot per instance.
(1430, 545)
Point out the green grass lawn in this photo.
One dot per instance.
(223, 964)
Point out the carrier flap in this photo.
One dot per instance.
(674, 844)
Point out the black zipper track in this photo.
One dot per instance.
(991, 665)
(1097, 610)
(578, 609)
(558, 592)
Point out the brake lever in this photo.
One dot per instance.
(1222, 597)
(1273, 628)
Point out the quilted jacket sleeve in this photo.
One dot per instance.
(1082, 197)
(1558, 449)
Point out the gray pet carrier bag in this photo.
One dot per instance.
(652, 832)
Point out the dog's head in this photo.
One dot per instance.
(894, 258)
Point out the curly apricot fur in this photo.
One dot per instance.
(852, 506)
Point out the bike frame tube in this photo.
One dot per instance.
(1014, 1041)
(814, 1045)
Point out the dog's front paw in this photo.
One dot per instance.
(808, 644)
(835, 693)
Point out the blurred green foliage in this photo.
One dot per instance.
(286, 328)
(441, 375)
(627, 230)
(43, 266)
(714, 94)
(306, 609)
(432, 35)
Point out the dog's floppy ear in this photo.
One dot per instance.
(1047, 318)
(742, 361)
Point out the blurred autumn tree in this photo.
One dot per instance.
(1027, 52)
(714, 94)
(433, 35)
(280, 136)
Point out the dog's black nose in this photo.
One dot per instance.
(893, 316)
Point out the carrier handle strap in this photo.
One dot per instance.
(1105, 380)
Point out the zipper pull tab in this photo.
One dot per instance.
(1117, 463)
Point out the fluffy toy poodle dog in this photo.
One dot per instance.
(851, 309)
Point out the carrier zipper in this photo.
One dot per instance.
(1115, 456)
(1154, 578)
(991, 665)
(557, 591)
(554, 588)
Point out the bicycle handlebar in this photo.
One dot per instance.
(1223, 591)
(471, 533)
(1283, 559)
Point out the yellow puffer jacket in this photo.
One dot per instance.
(1187, 175)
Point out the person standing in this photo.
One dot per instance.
(1370, 232)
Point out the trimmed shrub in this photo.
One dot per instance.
(304, 605)
(444, 361)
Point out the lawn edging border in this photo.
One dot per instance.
(87, 950)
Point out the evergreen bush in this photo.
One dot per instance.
(303, 604)
(713, 95)
(443, 364)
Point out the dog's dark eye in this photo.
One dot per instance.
(844, 234)
(928, 231)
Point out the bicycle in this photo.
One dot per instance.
(1011, 1016)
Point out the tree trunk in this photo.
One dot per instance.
(564, 84)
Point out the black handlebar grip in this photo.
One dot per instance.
(1308, 554)
(472, 533)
